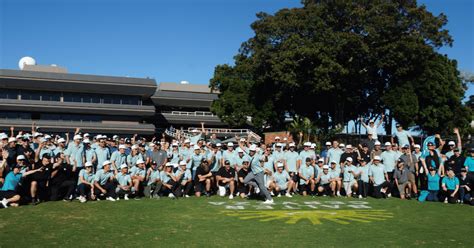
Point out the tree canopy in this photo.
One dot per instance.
(332, 61)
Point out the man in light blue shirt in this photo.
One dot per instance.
(403, 136)
(378, 176)
(307, 182)
(104, 182)
(138, 175)
(102, 153)
(283, 182)
(256, 177)
(124, 187)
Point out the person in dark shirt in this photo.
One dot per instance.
(456, 162)
(465, 187)
(39, 180)
(25, 148)
(226, 179)
(203, 179)
(349, 152)
(62, 181)
(364, 153)
(241, 187)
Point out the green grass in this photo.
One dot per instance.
(194, 222)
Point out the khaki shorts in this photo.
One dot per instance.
(401, 187)
(411, 177)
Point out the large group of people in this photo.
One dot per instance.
(36, 167)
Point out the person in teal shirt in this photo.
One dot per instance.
(184, 180)
(379, 178)
(307, 181)
(153, 179)
(124, 186)
(104, 182)
(102, 153)
(138, 175)
(256, 178)
(433, 185)
(450, 187)
(469, 163)
(8, 191)
(85, 183)
(283, 183)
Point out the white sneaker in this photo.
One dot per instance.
(288, 195)
(257, 190)
(231, 196)
(360, 196)
(117, 199)
(279, 195)
(445, 200)
(338, 193)
(5, 202)
(271, 193)
(110, 199)
(389, 195)
(187, 196)
(268, 201)
(171, 195)
(125, 197)
(82, 199)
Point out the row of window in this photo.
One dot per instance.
(69, 97)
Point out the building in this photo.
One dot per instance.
(58, 102)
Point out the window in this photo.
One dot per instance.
(8, 94)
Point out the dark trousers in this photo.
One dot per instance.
(62, 190)
(377, 193)
(122, 193)
(391, 184)
(363, 188)
(109, 187)
(447, 194)
(464, 195)
(183, 190)
(422, 181)
(432, 195)
(84, 189)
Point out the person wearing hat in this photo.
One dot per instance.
(326, 186)
(134, 156)
(403, 136)
(307, 182)
(158, 155)
(400, 177)
(256, 177)
(173, 154)
(138, 175)
(456, 162)
(239, 158)
(278, 154)
(184, 179)
(283, 182)
(305, 153)
(89, 153)
(25, 148)
(39, 181)
(432, 159)
(63, 181)
(185, 151)
(75, 153)
(195, 160)
(226, 179)
(118, 158)
(465, 187)
(242, 188)
(203, 179)
(124, 183)
(336, 181)
(229, 155)
(153, 179)
(11, 147)
(291, 166)
(450, 187)
(389, 159)
(363, 152)
(324, 152)
(452, 145)
(433, 181)
(377, 151)
(85, 184)
(379, 178)
(60, 146)
(411, 163)
(9, 190)
(363, 179)
(104, 182)
(102, 152)
(168, 180)
(372, 128)
(335, 152)
(44, 148)
(348, 153)
(350, 174)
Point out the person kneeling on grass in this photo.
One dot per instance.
(8, 192)
(85, 183)
(168, 180)
(401, 179)
(379, 177)
(241, 187)
(104, 182)
(335, 178)
(450, 186)
(433, 185)
(138, 175)
(226, 180)
(349, 174)
(326, 187)
(124, 187)
(283, 182)
(363, 174)
(307, 181)
(203, 179)
(465, 187)
(153, 187)
(184, 178)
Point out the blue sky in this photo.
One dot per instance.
(166, 40)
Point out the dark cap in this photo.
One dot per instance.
(398, 125)
(456, 149)
(308, 159)
(430, 144)
(227, 162)
(46, 156)
(365, 145)
(463, 170)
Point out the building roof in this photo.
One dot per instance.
(196, 88)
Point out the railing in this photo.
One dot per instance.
(231, 131)
(186, 113)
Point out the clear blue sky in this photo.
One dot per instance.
(170, 40)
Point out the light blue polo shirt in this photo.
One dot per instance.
(103, 154)
(89, 154)
(230, 156)
(132, 160)
(389, 159)
(348, 176)
(269, 165)
(187, 175)
(76, 153)
(195, 161)
(118, 158)
(164, 177)
(324, 178)
(450, 182)
(402, 138)
(281, 179)
(155, 174)
(136, 171)
(307, 172)
(88, 177)
(364, 173)
(303, 155)
(124, 179)
(378, 173)
(102, 176)
(291, 157)
(215, 165)
(255, 163)
(335, 154)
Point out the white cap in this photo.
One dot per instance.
(388, 144)
(41, 140)
(134, 147)
(182, 162)
(61, 140)
(194, 130)
(20, 157)
(349, 146)
(333, 162)
(417, 146)
(151, 144)
(307, 144)
(230, 144)
(377, 158)
(196, 147)
(106, 162)
(320, 160)
(175, 144)
(278, 144)
(279, 164)
(285, 138)
(115, 137)
(242, 139)
(11, 139)
(313, 146)
(19, 136)
(372, 120)
(377, 143)
(325, 166)
(122, 147)
(292, 145)
(88, 164)
(328, 143)
(140, 161)
(3, 136)
(349, 159)
(218, 144)
(168, 164)
(277, 137)
(451, 143)
(253, 148)
(47, 136)
(37, 134)
(86, 141)
(86, 135)
(187, 141)
(77, 136)
(123, 166)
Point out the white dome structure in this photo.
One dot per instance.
(26, 61)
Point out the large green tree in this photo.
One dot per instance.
(331, 61)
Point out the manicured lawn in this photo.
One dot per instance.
(192, 222)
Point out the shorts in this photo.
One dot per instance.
(411, 177)
(283, 187)
(243, 189)
(294, 176)
(304, 187)
(326, 189)
(401, 188)
(7, 194)
(200, 186)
